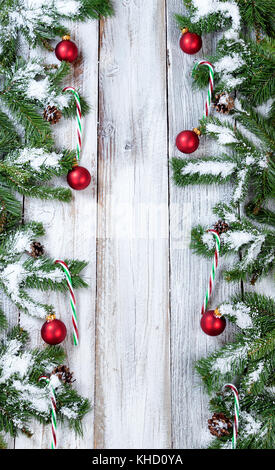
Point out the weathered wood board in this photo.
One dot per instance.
(189, 273)
(139, 318)
(71, 233)
(132, 406)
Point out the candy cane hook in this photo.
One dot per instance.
(78, 120)
(210, 85)
(72, 300)
(53, 410)
(236, 413)
(213, 270)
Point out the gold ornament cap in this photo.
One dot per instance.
(67, 37)
(217, 313)
(184, 30)
(197, 131)
(50, 317)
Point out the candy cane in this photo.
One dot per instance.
(210, 85)
(213, 270)
(53, 409)
(236, 413)
(72, 299)
(78, 120)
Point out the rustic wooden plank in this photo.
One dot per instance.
(71, 232)
(189, 273)
(132, 353)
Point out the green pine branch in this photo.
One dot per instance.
(243, 68)
(262, 216)
(37, 130)
(41, 25)
(248, 362)
(205, 170)
(30, 92)
(23, 397)
(258, 15)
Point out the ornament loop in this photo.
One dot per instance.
(217, 313)
(75, 163)
(197, 131)
(51, 317)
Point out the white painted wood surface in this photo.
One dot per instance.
(132, 407)
(189, 272)
(139, 319)
(71, 233)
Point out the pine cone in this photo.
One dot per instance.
(219, 425)
(223, 103)
(221, 226)
(36, 250)
(27, 432)
(64, 374)
(52, 114)
(254, 279)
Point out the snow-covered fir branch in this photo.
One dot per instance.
(243, 66)
(19, 271)
(248, 362)
(23, 396)
(257, 244)
(41, 20)
(246, 166)
(31, 99)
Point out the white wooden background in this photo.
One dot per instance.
(139, 319)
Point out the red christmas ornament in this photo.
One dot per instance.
(79, 178)
(53, 331)
(66, 50)
(212, 323)
(190, 43)
(188, 141)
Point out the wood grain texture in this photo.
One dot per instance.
(132, 353)
(189, 273)
(71, 233)
(139, 320)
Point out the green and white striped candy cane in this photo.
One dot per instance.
(210, 85)
(72, 299)
(53, 409)
(213, 270)
(78, 120)
(236, 413)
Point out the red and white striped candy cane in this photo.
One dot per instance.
(236, 413)
(213, 270)
(72, 300)
(53, 409)
(78, 120)
(210, 85)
